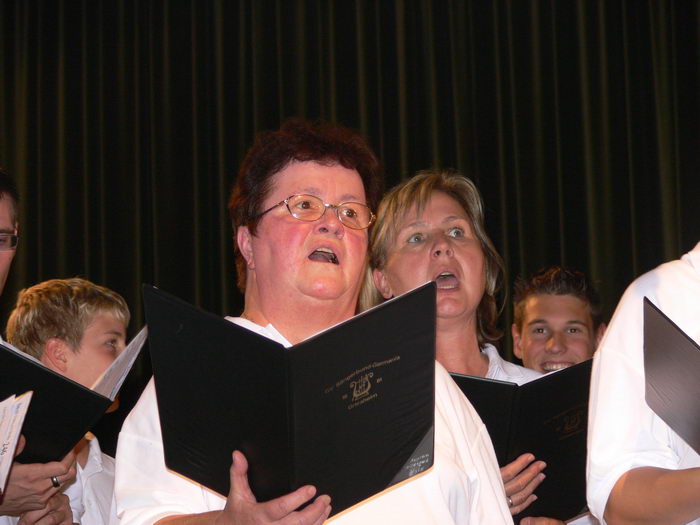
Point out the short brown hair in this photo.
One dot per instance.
(61, 308)
(297, 141)
(417, 191)
(555, 280)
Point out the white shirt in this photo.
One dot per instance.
(623, 432)
(90, 494)
(464, 486)
(502, 370)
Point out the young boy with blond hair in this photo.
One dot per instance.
(77, 329)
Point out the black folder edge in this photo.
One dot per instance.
(61, 413)
(671, 369)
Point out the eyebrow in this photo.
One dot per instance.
(115, 332)
(544, 321)
(450, 218)
(346, 197)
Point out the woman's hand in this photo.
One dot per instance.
(242, 508)
(521, 478)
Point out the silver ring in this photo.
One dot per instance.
(54, 481)
(510, 501)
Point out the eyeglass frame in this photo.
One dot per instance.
(14, 240)
(326, 205)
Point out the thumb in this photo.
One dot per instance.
(20, 445)
(239, 478)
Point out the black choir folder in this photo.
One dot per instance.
(349, 410)
(547, 417)
(62, 411)
(671, 369)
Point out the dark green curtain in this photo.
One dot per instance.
(124, 122)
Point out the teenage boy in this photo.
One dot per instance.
(557, 322)
(77, 329)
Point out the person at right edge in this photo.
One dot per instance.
(639, 470)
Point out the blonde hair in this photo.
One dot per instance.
(61, 308)
(417, 192)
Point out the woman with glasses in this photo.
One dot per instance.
(301, 209)
(431, 228)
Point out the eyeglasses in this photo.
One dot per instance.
(8, 242)
(309, 208)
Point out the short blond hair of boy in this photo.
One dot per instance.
(60, 308)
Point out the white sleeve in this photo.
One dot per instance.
(145, 490)
(457, 420)
(623, 432)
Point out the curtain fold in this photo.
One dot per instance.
(124, 122)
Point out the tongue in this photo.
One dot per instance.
(447, 281)
(323, 257)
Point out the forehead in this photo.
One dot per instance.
(106, 321)
(557, 307)
(7, 213)
(333, 182)
(437, 209)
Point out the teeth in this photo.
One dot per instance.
(324, 250)
(553, 367)
(447, 281)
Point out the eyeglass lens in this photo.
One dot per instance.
(8, 241)
(309, 208)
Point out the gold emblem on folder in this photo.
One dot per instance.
(569, 422)
(362, 386)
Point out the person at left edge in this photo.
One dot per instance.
(34, 491)
(300, 209)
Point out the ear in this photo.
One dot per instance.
(382, 284)
(599, 333)
(517, 341)
(245, 245)
(56, 355)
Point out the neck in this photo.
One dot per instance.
(307, 317)
(457, 347)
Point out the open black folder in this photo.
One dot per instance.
(62, 411)
(547, 417)
(349, 410)
(671, 369)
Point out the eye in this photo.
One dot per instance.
(456, 232)
(304, 205)
(574, 330)
(415, 238)
(349, 213)
(539, 330)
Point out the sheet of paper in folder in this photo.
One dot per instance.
(12, 413)
(62, 411)
(672, 369)
(547, 417)
(350, 410)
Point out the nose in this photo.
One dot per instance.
(555, 343)
(441, 247)
(329, 223)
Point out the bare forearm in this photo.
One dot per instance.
(650, 495)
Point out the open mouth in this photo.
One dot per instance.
(446, 281)
(324, 255)
(553, 367)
